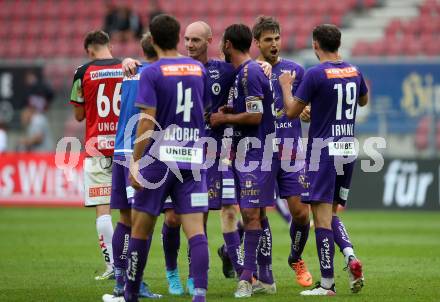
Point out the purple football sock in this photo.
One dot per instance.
(232, 245)
(240, 230)
(199, 260)
(326, 251)
(171, 245)
(137, 258)
(340, 234)
(264, 255)
(121, 237)
(298, 235)
(251, 242)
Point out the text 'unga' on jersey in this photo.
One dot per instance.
(252, 93)
(177, 88)
(333, 90)
(97, 87)
(285, 127)
(124, 143)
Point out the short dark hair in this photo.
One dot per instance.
(147, 47)
(263, 24)
(165, 30)
(328, 36)
(96, 37)
(240, 36)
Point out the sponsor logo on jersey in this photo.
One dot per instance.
(181, 70)
(181, 154)
(214, 74)
(106, 142)
(341, 149)
(106, 74)
(132, 78)
(339, 73)
(100, 191)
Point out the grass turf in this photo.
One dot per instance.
(53, 255)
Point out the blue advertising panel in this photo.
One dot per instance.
(400, 95)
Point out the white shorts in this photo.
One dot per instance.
(97, 180)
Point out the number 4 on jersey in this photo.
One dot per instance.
(184, 103)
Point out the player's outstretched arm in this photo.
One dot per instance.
(292, 106)
(144, 128)
(244, 118)
(129, 66)
(363, 100)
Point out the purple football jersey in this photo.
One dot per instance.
(252, 92)
(177, 88)
(221, 75)
(285, 127)
(333, 90)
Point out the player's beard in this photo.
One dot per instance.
(316, 54)
(228, 58)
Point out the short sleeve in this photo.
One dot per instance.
(147, 97)
(253, 83)
(76, 94)
(298, 79)
(207, 96)
(363, 89)
(304, 93)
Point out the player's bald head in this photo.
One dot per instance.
(199, 28)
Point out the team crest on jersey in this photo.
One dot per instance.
(216, 88)
(248, 184)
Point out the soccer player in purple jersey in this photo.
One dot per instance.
(333, 88)
(251, 115)
(267, 37)
(122, 192)
(172, 92)
(220, 178)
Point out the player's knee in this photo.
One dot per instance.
(172, 220)
(228, 214)
(251, 218)
(300, 215)
(125, 217)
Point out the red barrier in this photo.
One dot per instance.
(33, 179)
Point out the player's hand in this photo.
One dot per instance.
(129, 66)
(226, 109)
(286, 79)
(134, 172)
(217, 119)
(267, 68)
(305, 114)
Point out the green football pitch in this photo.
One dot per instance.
(53, 255)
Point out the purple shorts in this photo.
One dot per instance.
(288, 183)
(325, 185)
(167, 205)
(221, 186)
(255, 189)
(122, 192)
(189, 196)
